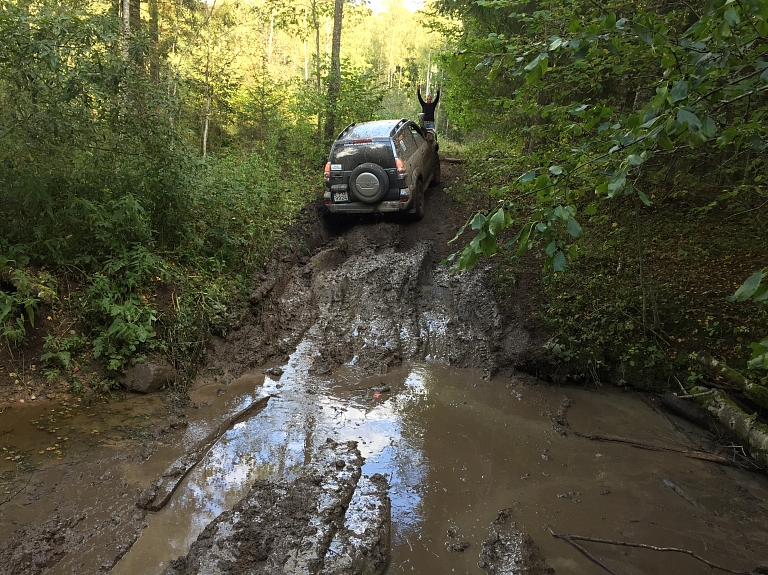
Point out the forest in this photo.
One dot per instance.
(152, 152)
(562, 366)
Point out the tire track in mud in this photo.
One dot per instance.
(378, 308)
(374, 294)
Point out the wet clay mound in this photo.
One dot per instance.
(509, 551)
(381, 306)
(38, 549)
(288, 527)
(361, 546)
(374, 295)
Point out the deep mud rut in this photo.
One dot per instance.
(360, 335)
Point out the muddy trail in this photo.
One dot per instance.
(365, 416)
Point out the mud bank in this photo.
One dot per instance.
(374, 293)
(289, 527)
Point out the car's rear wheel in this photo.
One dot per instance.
(419, 203)
(435, 174)
(369, 183)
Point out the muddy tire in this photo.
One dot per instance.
(419, 205)
(435, 175)
(369, 183)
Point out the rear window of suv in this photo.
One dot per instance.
(376, 129)
(350, 154)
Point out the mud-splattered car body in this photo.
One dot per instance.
(381, 166)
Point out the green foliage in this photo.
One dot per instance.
(121, 321)
(360, 97)
(101, 178)
(597, 105)
(18, 302)
(644, 117)
(241, 202)
(754, 288)
(59, 354)
(597, 328)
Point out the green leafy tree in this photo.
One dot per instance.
(757, 291)
(605, 97)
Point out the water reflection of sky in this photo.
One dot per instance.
(393, 447)
(304, 412)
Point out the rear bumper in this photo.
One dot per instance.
(363, 208)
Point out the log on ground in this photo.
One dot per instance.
(744, 426)
(754, 391)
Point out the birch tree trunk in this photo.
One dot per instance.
(126, 28)
(207, 119)
(334, 84)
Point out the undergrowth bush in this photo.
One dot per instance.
(645, 286)
(101, 184)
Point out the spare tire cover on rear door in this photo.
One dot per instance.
(369, 182)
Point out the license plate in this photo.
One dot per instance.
(340, 197)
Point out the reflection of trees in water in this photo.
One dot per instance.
(278, 442)
(401, 458)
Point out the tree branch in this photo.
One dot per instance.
(744, 95)
(651, 547)
(569, 540)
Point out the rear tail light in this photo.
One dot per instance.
(327, 172)
(401, 173)
(367, 141)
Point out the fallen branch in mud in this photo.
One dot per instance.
(745, 427)
(691, 396)
(13, 496)
(677, 489)
(570, 538)
(754, 391)
(453, 160)
(692, 453)
(159, 493)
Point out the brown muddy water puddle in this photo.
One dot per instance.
(46, 435)
(456, 450)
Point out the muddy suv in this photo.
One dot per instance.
(381, 166)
